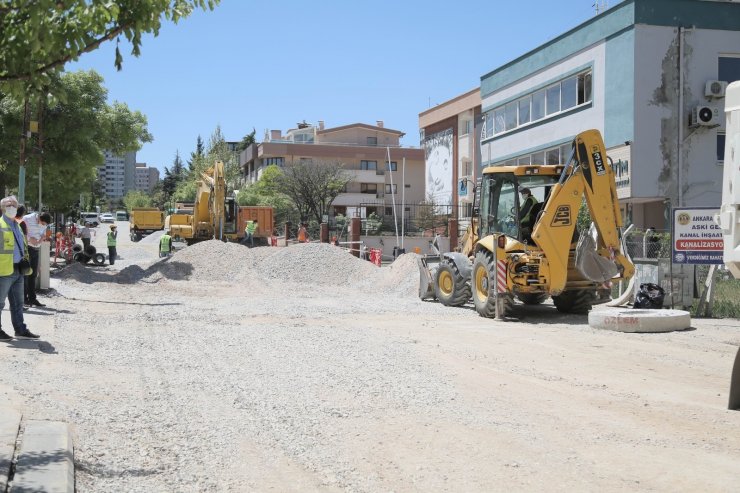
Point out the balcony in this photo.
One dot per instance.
(355, 199)
(366, 176)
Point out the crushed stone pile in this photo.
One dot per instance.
(305, 264)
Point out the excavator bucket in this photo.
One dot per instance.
(428, 265)
(592, 265)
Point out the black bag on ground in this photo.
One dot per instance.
(649, 296)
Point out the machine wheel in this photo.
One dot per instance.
(484, 297)
(90, 251)
(450, 287)
(81, 257)
(575, 301)
(99, 259)
(77, 248)
(532, 298)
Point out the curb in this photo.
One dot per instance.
(10, 423)
(46, 459)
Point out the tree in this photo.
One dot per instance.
(173, 176)
(313, 186)
(76, 130)
(247, 141)
(136, 198)
(266, 192)
(427, 216)
(196, 157)
(38, 38)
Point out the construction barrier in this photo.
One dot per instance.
(273, 240)
(376, 255)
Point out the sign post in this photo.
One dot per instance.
(697, 239)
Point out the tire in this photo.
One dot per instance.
(532, 298)
(90, 251)
(575, 301)
(99, 259)
(81, 257)
(450, 287)
(483, 292)
(77, 248)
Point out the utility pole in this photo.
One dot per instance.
(600, 6)
(22, 167)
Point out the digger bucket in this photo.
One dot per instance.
(428, 265)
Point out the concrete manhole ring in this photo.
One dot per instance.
(631, 320)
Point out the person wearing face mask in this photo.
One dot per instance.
(14, 266)
(36, 225)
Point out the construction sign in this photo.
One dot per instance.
(697, 239)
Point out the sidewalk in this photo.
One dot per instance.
(44, 456)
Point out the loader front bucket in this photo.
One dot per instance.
(428, 265)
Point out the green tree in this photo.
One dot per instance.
(75, 130)
(173, 176)
(137, 198)
(426, 218)
(38, 38)
(197, 156)
(266, 192)
(247, 141)
(313, 186)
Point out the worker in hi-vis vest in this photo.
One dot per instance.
(165, 244)
(249, 231)
(112, 236)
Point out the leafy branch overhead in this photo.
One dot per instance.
(38, 38)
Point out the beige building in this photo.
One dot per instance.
(450, 136)
(362, 149)
(145, 178)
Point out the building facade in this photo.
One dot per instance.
(117, 174)
(449, 133)
(363, 150)
(145, 178)
(649, 74)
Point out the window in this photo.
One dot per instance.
(368, 188)
(553, 99)
(388, 188)
(306, 160)
(524, 110)
(538, 157)
(499, 120)
(538, 105)
(510, 115)
(569, 94)
(526, 160)
(553, 156)
(466, 127)
(584, 88)
(372, 141)
(393, 166)
(277, 161)
(389, 211)
(489, 124)
(407, 186)
(421, 137)
(564, 153)
(729, 68)
(720, 148)
(369, 165)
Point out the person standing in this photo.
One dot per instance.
(14, 265)
(36, 225)
(85, 236)
(165, 245)
(112, 236)
(303, 234)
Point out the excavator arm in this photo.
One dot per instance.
(586, 174)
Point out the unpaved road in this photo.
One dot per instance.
(228, 369)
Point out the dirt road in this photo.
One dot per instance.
(299, 369)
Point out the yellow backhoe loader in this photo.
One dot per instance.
(503, 257)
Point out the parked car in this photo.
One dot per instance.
(90, 217)
(107, 217)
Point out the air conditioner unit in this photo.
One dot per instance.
(715, 89)
(707, 116)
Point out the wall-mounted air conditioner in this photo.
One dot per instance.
(707, 116)
(715, 89)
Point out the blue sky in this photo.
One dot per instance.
(269, 65)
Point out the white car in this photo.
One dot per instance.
(107, 218)
(90, 217)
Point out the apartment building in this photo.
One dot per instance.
(145, 178)
(117, 174)
(363, 150)
(450, 136)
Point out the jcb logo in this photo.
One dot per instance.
(598, 161)
(561, 217)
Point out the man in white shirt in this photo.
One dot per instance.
(36, 224)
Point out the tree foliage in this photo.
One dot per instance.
(173, 176)
(266, 192)
(313, 186)
(247, 141)
(38, 38)
(75, 132)
(137, 198)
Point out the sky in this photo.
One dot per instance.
(269, 65)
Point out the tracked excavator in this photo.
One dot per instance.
(502, 258)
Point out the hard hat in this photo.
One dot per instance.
(112, 226)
